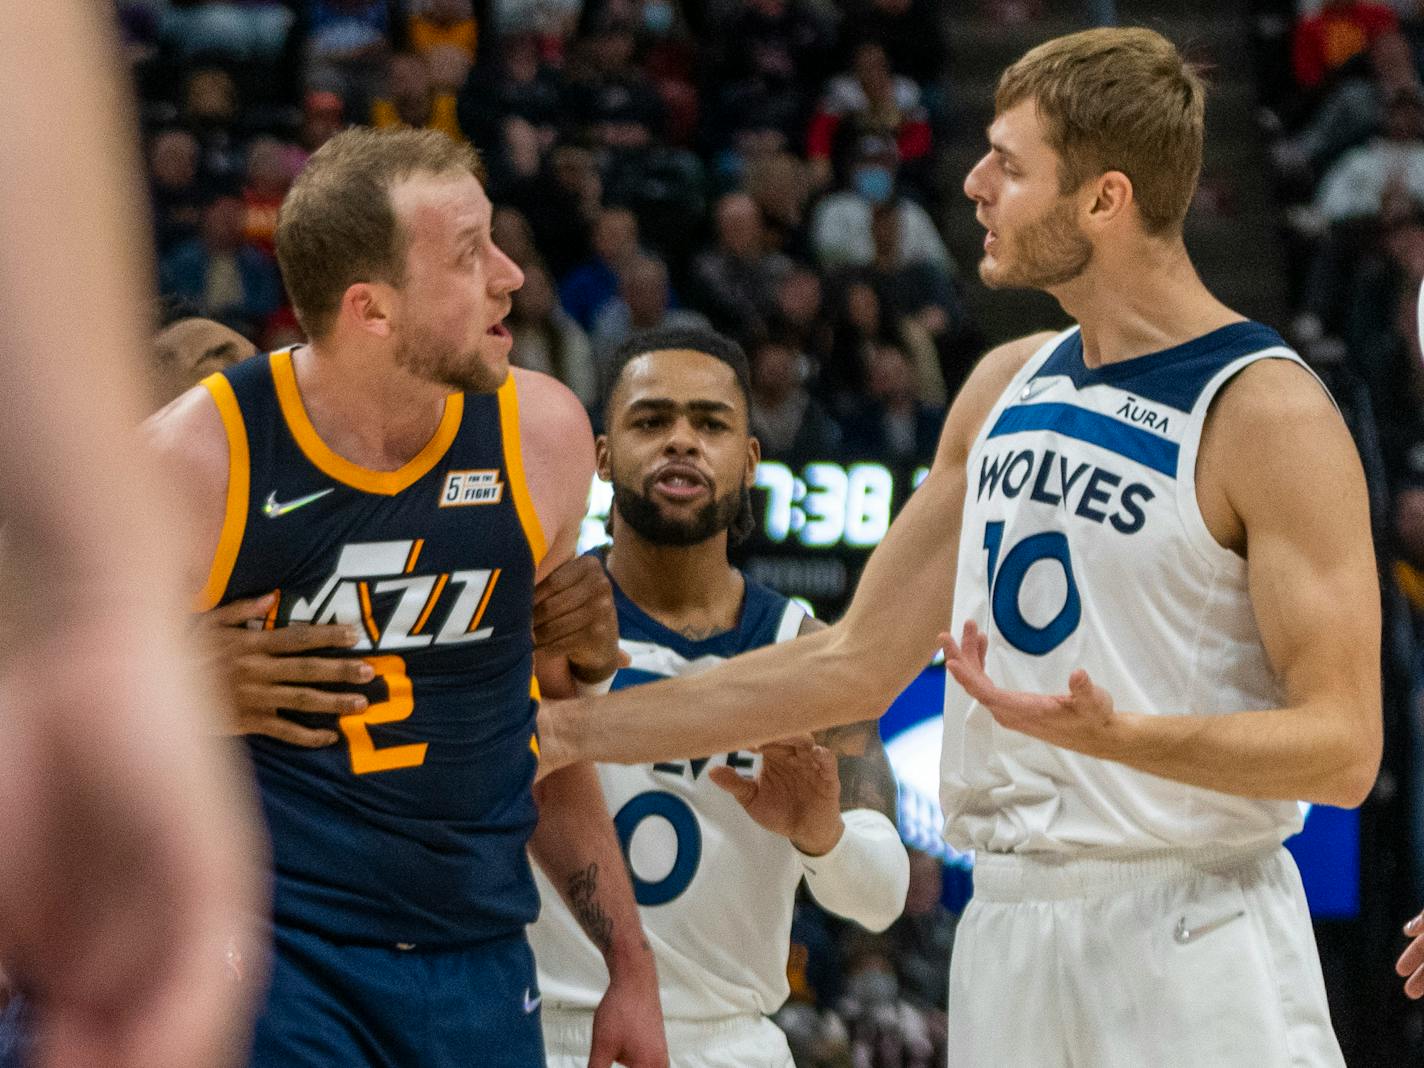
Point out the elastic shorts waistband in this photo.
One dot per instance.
(1054, 876)
(574, 1028)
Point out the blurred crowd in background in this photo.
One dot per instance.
(774, 168)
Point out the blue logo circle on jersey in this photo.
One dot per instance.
(689, 844)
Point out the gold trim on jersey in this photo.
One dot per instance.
(386, 483)
(238, 477)
(514, 464)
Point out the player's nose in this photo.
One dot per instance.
(507, 276)
(975, 185)
(682, 438)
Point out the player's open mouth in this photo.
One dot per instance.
(680, 483)
(499, 330)
(989, 239)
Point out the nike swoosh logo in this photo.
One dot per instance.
(271, 509)
(1034, 388)
(1184, 934)
(530, 1004)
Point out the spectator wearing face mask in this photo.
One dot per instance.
(871, 98)
(841, 231)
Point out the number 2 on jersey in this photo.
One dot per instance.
(1006, 581)
(398, 705)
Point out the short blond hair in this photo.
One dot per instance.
(337, 225)
(1118, 99)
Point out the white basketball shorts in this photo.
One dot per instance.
(1201, 959)
(733, 1042)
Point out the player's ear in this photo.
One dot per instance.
(1112, 194)
(601, 464)
(753, 458)
(367, 306)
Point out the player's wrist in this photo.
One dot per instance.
(1121, 737)
(819, 842)
(595, 675)
(630, 958)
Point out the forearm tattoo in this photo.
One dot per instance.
(583, 900)
(866, 778)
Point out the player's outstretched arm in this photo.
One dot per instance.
(847, 673)
(1304, 523)
(130, 861)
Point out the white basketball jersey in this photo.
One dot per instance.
(1083, 545)
(715, 890)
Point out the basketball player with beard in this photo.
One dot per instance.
(717, 846)
(393, 476)
(1151, 533)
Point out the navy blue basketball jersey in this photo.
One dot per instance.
(767, 617)
(411, 829)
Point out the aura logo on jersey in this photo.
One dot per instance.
(368, 571)
(1083, 488)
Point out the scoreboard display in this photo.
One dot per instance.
(816, 526)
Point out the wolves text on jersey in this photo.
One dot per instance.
(1087, 490)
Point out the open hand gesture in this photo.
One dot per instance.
(1082, 719)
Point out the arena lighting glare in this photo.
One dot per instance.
(1420, 318)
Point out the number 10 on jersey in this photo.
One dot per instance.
(1006, 579)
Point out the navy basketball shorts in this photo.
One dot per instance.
(351, 1006)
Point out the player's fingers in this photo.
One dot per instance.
(330, 669)
(556, 628)
(1412, 958)
(744, 790)
(306, 699)
(580, 571)
(303, 637)
(576, 598)
(284, 730)
(971, 679)
(1415, 926)
(1414, 985)
(981, 646)
(239, 612)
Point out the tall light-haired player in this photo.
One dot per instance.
(1151, 532)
